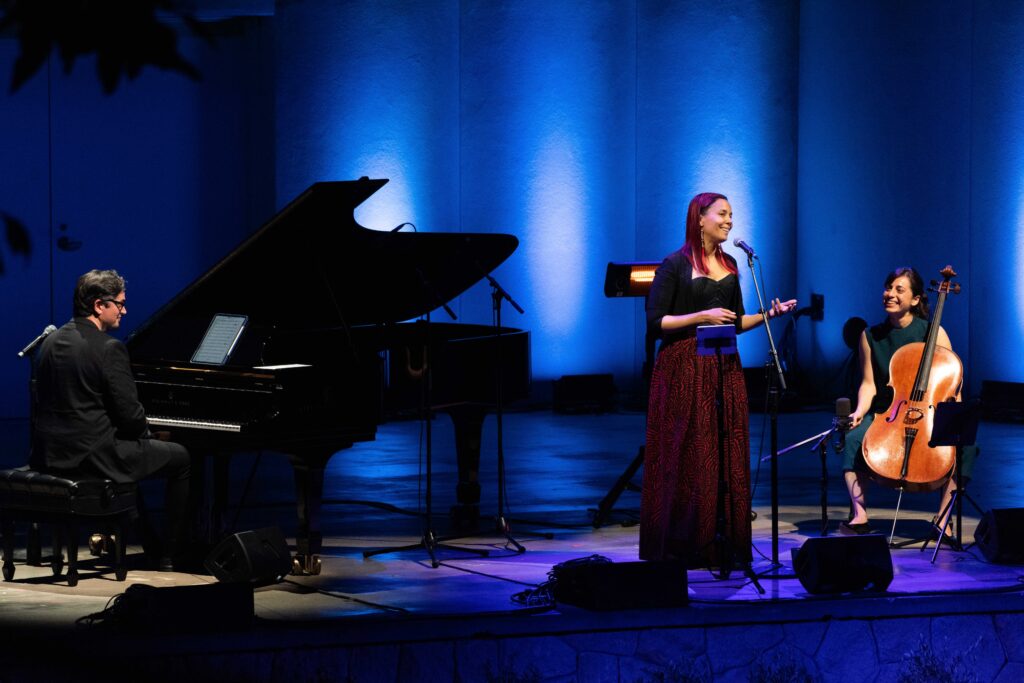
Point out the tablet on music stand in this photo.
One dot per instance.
(219, 341)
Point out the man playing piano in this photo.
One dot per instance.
(88, 418)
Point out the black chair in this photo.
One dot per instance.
(64, 502)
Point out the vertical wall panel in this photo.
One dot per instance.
(24, 197)
(547, 148)
(716, 91)
(371, 89)
(996, 221)
(884, 175)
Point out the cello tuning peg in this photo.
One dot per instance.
(956, 288)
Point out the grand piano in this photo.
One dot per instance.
(325, 355)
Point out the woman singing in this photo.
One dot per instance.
(697, 285)
(906, 321)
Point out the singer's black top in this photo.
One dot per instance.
(884, 340)
(674, 291)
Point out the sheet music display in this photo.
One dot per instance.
(220, 339)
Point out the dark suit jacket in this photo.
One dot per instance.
(87, 404)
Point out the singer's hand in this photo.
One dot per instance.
(781, 307)
(855, 419)
(719, 316)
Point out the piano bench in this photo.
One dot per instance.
(64, 502)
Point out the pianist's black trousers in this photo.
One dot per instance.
(143, 459)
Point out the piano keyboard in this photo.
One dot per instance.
(191, 423)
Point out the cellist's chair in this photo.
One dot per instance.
(64, 501)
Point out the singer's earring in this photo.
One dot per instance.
(703, 245)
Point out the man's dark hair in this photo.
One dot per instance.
(96, 284)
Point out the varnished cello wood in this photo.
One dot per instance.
(884, 442)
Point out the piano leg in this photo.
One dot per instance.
(309, 490)
(468, 422)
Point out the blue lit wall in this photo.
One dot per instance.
(547, 149)
(371, 89)
(850, 137)
(995, 222)
(910, 153)
(716, 93)
(582, 128)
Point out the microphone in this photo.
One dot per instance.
(37, 341)
(745, 247)
(841, 421)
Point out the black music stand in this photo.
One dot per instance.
(429, 541)
(956, 424)
(720, 341)
(628, 279)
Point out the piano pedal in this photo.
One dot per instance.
(306, 565)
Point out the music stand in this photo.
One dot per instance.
(720, 341)
(628, 279)
(955, 424)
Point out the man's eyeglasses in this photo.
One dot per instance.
(120, 304)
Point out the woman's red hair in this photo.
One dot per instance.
(693, 249)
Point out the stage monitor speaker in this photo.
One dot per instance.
(844, 564)
(259, 557)
(204, 607)
(1000, 535)
(621, 585)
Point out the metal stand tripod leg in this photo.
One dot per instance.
(604, 508)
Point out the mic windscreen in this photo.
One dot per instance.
(842, 407)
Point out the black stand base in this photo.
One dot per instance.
(625, 481)
(431, 544)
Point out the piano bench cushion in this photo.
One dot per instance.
(24, 490)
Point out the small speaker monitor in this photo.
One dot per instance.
(621, 585)
(844, 564)
(1000, 535)
(259, 557)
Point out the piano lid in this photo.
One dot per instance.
(312, 266)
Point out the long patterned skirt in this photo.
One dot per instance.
(679, 504)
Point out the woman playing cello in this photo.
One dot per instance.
(906, 308)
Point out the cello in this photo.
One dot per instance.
(922, 375)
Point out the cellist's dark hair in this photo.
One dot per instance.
(916, 288)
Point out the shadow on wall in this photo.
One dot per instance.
(126, 36)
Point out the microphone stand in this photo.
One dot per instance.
(33, 545)
(773, 408)
(429, 541)
(497, 294)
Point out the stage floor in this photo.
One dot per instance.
(558, 468)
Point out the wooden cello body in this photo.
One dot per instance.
(921, 375)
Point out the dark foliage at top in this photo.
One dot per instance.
(126, 35)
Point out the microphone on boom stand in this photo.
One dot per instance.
(841, 423)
